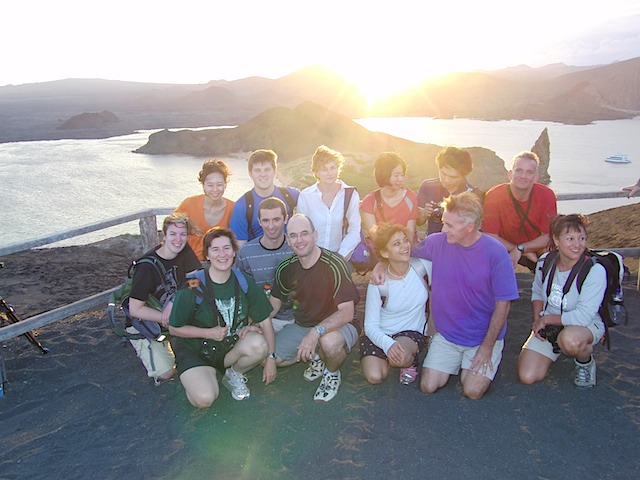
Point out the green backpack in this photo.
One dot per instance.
(118, 306)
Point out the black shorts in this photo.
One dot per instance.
(187, 358)
(368, 348)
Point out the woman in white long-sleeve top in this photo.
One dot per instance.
(559, 305)
(395, 317)
(324, 203)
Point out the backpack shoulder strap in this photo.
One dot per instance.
(202, 277)
(199, 290)
(584, 264)
(378, 205)
(249, 207)
(584, 271)
(547, 263)
(242, 280)
(288, 199)
(150, 260)
(348, 193)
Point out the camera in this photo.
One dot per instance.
(437, 212)
(550, 333)
(209, 349)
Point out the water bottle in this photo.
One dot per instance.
(616, 310)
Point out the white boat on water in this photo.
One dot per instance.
(618, 158)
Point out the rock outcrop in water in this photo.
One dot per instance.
(542, 148)
(295, 133)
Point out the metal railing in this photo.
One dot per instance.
(149, 233)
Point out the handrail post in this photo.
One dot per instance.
(149, 231)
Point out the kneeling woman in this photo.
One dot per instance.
(215, 332)
(394, 325)
(559, 306)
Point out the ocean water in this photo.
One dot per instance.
(49, 186)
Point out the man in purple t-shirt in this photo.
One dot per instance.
(473, 283)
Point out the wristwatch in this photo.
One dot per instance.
(272, 355)
(320, 330)
(520, 248)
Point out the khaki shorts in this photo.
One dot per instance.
(157, 357)
(544, 348)
(445, 356)
(288, 339)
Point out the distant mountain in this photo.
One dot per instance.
(528, 74)
(600, 93)
(556, 92)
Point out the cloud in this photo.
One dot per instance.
(616, 40)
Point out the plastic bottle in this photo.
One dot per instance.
(617, 310)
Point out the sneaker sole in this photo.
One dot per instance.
(310, 378)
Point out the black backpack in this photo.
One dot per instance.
(248, 198)
(612, 309)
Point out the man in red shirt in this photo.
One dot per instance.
(518, 213)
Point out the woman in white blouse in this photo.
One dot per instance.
(338, 225)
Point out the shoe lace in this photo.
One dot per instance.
(237, 379)
(583, 374)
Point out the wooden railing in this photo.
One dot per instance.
(149, 233)
(149, 238)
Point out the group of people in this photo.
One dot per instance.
(267, 279)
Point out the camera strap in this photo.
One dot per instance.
(522, 214)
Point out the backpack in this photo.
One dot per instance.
(363, 257)
(248, 198)
(612, 309)
(120, 299)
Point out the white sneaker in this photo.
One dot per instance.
(585, 374)
(328, 387)
(314, 371)
(236, 383)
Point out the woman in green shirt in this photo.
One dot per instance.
(221, 322)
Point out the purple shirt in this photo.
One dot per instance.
(466, 283)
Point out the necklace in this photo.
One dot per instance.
(398, 277)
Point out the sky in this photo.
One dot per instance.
(381, 45)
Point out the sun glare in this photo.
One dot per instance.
(376, 86)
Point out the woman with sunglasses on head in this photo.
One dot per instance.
(565, 318)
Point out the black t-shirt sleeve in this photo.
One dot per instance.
(145, 281)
